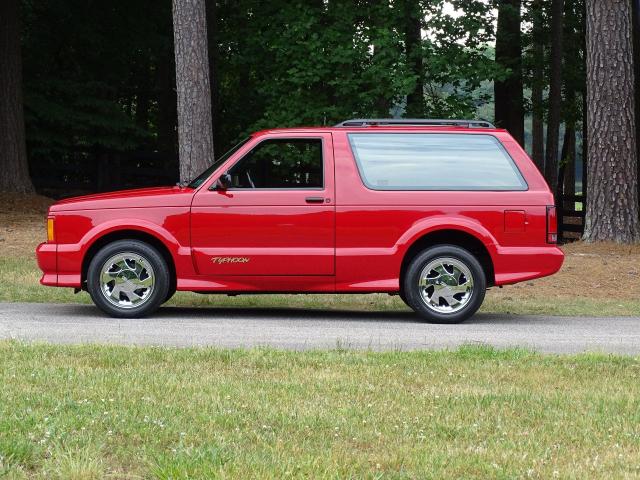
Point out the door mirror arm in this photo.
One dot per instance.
(223, 182)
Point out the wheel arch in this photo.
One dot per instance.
(451, 236)
(99, 241)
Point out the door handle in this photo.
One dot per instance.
(314, 200)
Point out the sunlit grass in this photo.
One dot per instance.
(89, 412)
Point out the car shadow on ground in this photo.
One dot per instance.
(212, 313)
(329, 315)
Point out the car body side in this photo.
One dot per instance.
(356, 240)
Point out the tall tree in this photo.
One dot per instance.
(555, 95)
(636, 62)
(572, 85)
(612, 189)
(567, 157)
(14, 169)
(509, 102)
(414, 52)
(195, 130)
(537, 86)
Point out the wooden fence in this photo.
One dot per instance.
(570, 209)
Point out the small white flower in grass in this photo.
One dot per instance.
(110, 432)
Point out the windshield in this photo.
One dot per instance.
(200, 179)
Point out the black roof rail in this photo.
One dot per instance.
(366, 122)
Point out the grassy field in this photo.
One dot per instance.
(595, 280)
(114, 412)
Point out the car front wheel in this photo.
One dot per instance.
(445, 284)
(128, 279)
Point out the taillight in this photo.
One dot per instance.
(552, 225)
(50, 230)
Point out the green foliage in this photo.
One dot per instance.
(87, 67)
(99, 75)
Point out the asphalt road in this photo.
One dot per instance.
(304, 329)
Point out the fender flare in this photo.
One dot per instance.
(434, 224)
(142, 226)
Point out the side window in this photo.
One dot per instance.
(433, 161)
(281, 163)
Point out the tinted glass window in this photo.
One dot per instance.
(290, 163)
(432, 161)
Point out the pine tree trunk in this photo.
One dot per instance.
(509, 103)
(636, 62)
(555, 95)
(14, 169)
(413, 50)
(612, 191)
(569, 161)
(195, 131)
(585, 133)
(537, 87)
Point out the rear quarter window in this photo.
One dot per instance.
(434, 161)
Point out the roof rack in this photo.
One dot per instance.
(367, 122)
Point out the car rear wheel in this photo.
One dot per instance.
(445, 284)
(128, 279)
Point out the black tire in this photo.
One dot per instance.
(145, 253)
(170, 292)
(412, 289)
(403, 297)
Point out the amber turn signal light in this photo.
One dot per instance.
(50, 236)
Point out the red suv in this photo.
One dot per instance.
(435, 211)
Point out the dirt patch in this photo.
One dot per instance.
(601, 270)
(605, 270)
(22, 223)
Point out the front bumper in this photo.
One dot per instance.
(46, 253)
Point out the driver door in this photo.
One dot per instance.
(278, 215)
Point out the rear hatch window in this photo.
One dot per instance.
(434, 161)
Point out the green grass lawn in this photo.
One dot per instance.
(87, 412)
(19, 279)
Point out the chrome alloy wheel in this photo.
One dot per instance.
(127, 280)
(446, 285)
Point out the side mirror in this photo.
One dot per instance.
(224, 181)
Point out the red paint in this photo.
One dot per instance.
(354, 241)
